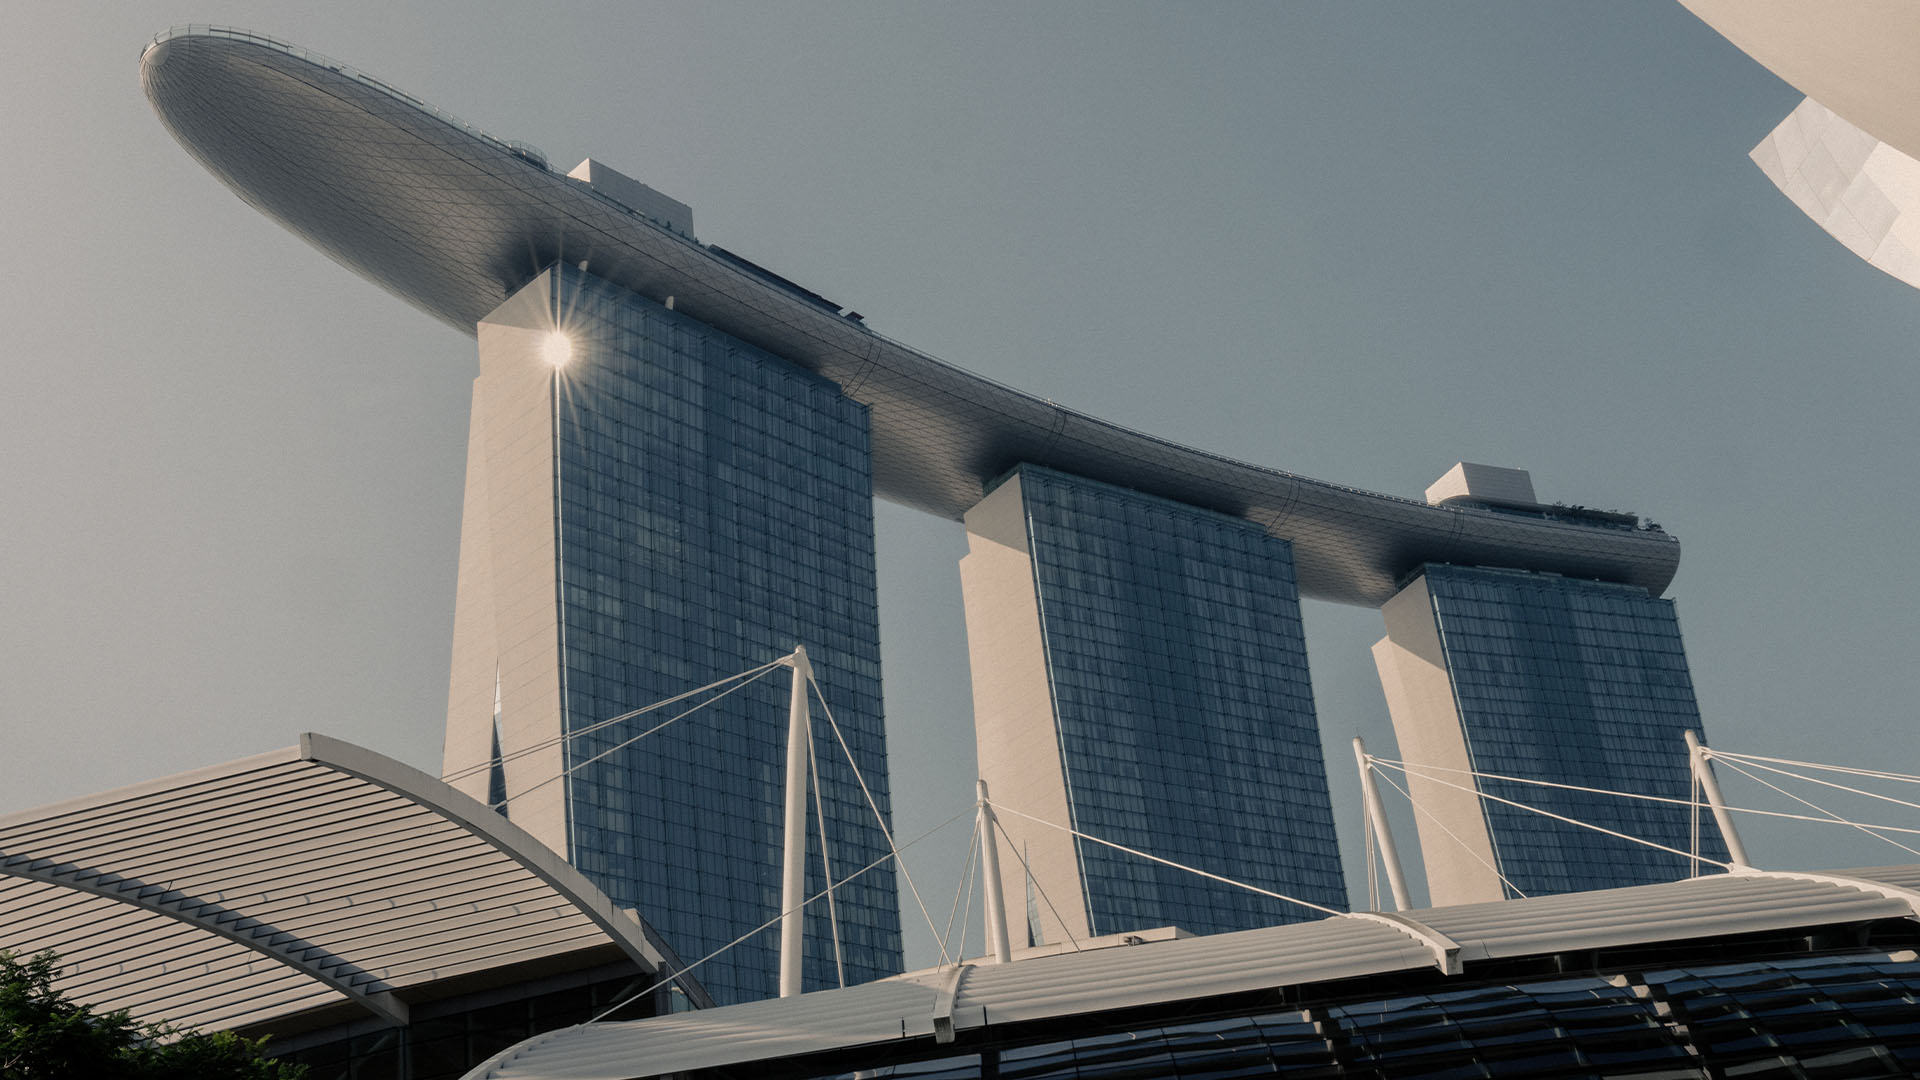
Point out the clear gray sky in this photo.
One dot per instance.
(1357, 241)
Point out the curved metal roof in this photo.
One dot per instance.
(972, 995)
(1854, 58)
(454, 220)
(313, 877)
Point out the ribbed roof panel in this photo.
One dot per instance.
(283, 882)
(1703, 907)
(118, 956)
(1181, 970)
(1900, 877)
(1198, 967)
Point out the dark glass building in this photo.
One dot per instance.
(1139, 671)
(1547, 678)
(699, 507)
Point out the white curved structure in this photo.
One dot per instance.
(454, 221)
(1855, 57)
(1863, 192)
(1469, 955)
(299, 888)
(1846, 156)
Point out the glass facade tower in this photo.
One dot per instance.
(1541, 677)
(669, 507)
(1140, 674)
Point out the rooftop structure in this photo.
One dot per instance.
(454, 221)
(1488, 485)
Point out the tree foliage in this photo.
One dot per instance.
(44, 1036)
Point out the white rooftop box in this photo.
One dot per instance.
(1488, 484)
(636, 196)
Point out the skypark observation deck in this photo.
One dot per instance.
(454, 221)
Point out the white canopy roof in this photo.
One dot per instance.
(291, 881)
(972, 995)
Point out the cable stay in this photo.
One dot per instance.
(1169, 862)
(803, 770)
(1704, 794)
(1027, 868)
(1870, 830)
(1564, 819)
(1877, 774)
(1701, 785)
(663, 725)
(826, 863)
(1736, 761)
(770, 923)
(1531, 781)
(546, 744)
(1464, 846)
(878, 817)
(965, 885)
(1718, 755)
(1731, 758)
(966, 917)
(984, 837)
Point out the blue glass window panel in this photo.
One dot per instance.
(1573, 682)
(1817, 1016)
(1582, 1026)
(1185, 712)
(717, 510)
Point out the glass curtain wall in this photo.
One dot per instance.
(1573, 682)
(1185, 713)
(716, 510)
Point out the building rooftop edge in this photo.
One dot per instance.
(248, 106)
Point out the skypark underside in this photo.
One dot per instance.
(454, 221)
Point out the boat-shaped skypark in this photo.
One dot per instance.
(455, 221)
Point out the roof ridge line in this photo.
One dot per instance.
(1867, 885)
(944, 1000)
(1446, 951)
